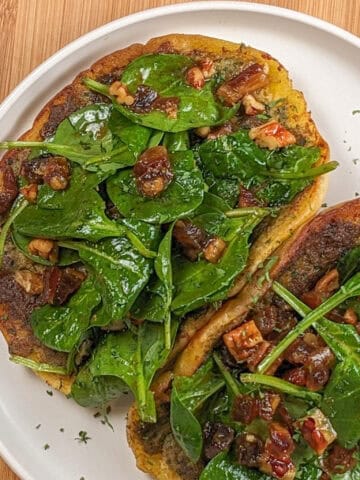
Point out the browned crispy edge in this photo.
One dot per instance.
(76, 95)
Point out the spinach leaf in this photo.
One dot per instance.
(176, 142)
(198, 283)
(275, 176)
(155, 300)
(341, 400)
(187, 397)
(223, 467)
(134, 358)
(120, 273)
(165, 73)
(62, 327)
(77, 212)
(66, 256)
(19, 206)
(183, 195)
(39, 367)
(94, 391)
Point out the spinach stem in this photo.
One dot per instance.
(105, 156)
(241, 212)
(227, 375)
(350, 289)
(312, 172)
(18, 207)
(96, 86)
(280, 385)
(167, 331)
(39, 367)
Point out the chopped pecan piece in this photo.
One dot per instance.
(206, 65)
(247, 198)
(121, 92)
(217, 438)
(168, 105)
(350, 316)
(202, 132)
(217, 132)
(248, 80)
(44, 248)
(276, 460)
(268, 405)
(245, 409)
(31, 282)
(30, 192)
(317, 431)
(252, 106)
(195, 78)
(8, 187)
(272, 135)
(60, 283)
(214, 249)
(242, 339)
(153, 172)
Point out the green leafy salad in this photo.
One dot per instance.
(133, 216)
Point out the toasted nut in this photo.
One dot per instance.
(214, 249)
(350, 316)
(44, 248)
(242, 339)
(317, 431)
(58, 182)
(195, 78)
(272, 135)
(153, 188)
(202, 132)
(207, 67)
(31, 282)
(252, 106)
(30, 192)
(121, 92)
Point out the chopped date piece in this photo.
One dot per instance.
(245, 409)
(285, 417)
(8, 187)
(242, 339)
(120, 91)
(248, 449)
(252, 106)
(217, 438)
(60, 283)
(272, 135)
(153, 172)
(247, 198)
(30, 192)
(268, 405)
(31, 282)
(214, 249)
(144, 99)
(217, 132)
(256, 354)
(195, 78)
(47, 249)
(195, 241)
(297, 376)
(54, 171)
(57, 173)
(340, 460)
(317, 431)
(248, 80)
(276, 460)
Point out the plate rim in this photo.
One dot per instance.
(10, 458)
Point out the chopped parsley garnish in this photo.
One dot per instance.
(38, 426)
(50, 393)
(46, 446)
(83, 437)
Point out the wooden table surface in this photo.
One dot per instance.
(32, 30)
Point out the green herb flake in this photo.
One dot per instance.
(38, 426)
(46, 446)
(62, 430)
(83, 437)
(355, 112)
(50, 393)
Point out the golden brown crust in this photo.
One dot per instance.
(341, 222)
(292, 113)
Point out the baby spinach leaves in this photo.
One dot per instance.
(276, 177)
(165, 74)
(187, 396)
(61, 327)
(224, 467)
(201, 282)
(120, 273)
(155, 300)
(183, 195)
(134, 358)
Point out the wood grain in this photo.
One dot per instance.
(32, 30)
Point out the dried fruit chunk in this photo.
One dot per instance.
(317, 431)
(153, 172)
(248, 80)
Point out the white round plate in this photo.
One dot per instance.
(323, 61)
